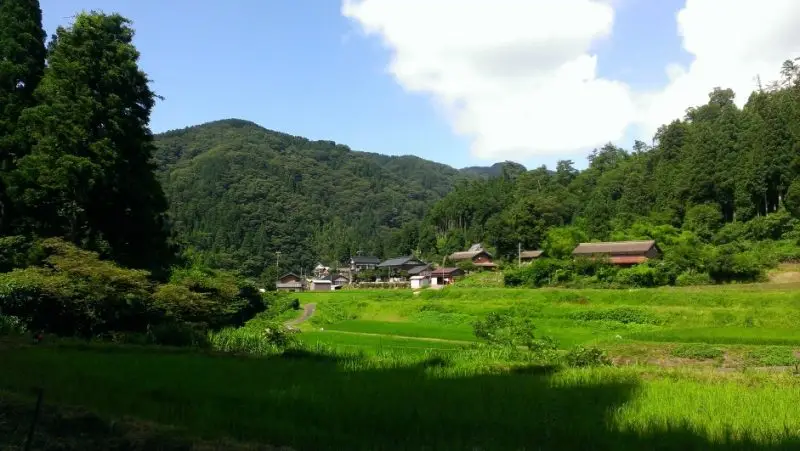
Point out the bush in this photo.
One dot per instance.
(504, 330)
(697, 351)
(216, 298)
(772, 356)
(728, 263)
(581, 357)
(641, 276)
(179, 334)
(11, 325)
(704, 220)
(691, 278)
(625, 315)
(76, 293)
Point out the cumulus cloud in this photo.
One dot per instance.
(515, 76)
(519, 77)
(732, 42)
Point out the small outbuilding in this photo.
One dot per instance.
(420, 282)
(445, 276)
(529, 256)
(321, 285)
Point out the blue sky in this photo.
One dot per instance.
(300, 67)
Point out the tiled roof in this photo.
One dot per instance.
(363, 260)
(531, 254)
(444, 271)
(398, 261)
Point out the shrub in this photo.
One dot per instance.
(691, 278)
(504, 330)
(179, 334)
(642, 276)
(581, 357)
(76, 293)
(11, 325)
(772, 356)
(704, 220)
(625, 315)
(215, 298)
(697, 351)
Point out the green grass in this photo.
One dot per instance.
(723, 335)
(406, 329)
(463, 400)
(347, 341)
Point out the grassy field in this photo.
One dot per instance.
(695, 368)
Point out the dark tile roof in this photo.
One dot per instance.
(445, 271)
(618, 247)
(467, 255)
(418, 269)
(397, 261)
(364, 260)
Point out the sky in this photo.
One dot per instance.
(462, 82)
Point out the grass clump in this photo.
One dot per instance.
(772, 356)
(624, 315)
(697, 351)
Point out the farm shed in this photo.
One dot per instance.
(321, 285)
(625, 253)
(419, 282)
(445, 276)
(529, 256)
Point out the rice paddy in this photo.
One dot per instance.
(693, 368)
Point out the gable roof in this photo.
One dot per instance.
(531, 254)
(418, 269)
(467, 255)
(289, 274)
(332, 277)
(618, 247)
(398, 261)
(445, 271)
(475, 248)
(364, 260)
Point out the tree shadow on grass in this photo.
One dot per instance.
(316, 401)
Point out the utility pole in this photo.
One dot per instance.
(277, 263)
(519, 253)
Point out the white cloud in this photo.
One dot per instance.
(732, 42)
(516, 76)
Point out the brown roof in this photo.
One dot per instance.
(618, 247)
(531, 254)
(467, 255)
(445, 271)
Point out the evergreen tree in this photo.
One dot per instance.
(22, 56)
(89, 176)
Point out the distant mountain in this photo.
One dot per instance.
(239, 192)
(495, 170)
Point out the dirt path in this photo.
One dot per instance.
(308, 311)
(404, 337)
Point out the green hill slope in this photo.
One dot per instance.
(238, 193)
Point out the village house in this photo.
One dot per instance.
(290, 282)
(623, 253)
(399, 265)
(329, 283)
(321, 270)
(475, 254)
(529, 256)
(421, 270)
(362, 263)
(420, 282)
(445, 276)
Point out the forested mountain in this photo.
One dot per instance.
(709, 173)
(239, 193)
(495, 170)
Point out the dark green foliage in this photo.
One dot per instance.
(697, 351)
(22, 55)
(88, 176)
(265, 191)
(703, 220)
(625, 315)
(581, 357)
(792, 201)
(772, 356)
(11, 325)
(214, 298)
(75, 293)
(506, 330)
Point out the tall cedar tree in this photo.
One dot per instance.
(22, 55)
(89, 176)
